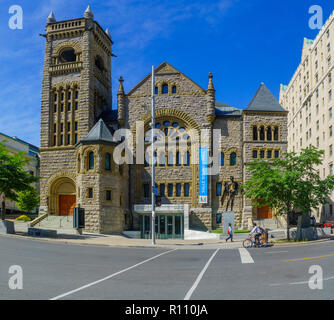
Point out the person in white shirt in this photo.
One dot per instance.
(257, 231)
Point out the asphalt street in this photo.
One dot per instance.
(62, 271)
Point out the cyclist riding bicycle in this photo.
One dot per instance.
(258, 231)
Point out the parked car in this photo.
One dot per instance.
(328, 225)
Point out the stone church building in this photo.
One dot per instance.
(78, 125)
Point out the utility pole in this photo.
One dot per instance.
(153, 164)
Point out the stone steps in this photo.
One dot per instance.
(56, 222)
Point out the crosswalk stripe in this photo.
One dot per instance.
(245, 256)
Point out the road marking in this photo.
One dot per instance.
(311, 258)
(110, 276)
(296, 283)
(245, 256)
(199, 278)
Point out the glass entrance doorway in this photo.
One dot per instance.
(167, 226)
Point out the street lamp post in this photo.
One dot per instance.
(153, 164)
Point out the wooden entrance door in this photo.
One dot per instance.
(264, 213)
(66, 204)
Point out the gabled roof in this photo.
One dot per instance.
(264, 100)
(223, 109)
(165, 68)
(99, 133)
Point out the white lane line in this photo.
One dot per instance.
(199, 278)
(245, 256)
(110, 276)
(296, 283)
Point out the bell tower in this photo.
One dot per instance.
(76, 85)
(76, 89)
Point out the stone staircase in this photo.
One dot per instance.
(271, 224)
(56, 222)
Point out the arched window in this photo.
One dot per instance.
(165, 88)
(108, 162)
(233, 159)
(91, 161)
(269, 134)
(262, 133)
(156, 90)
(276, 134)
(67, 55)
(255, 137)
(174, 89)
(222, 159)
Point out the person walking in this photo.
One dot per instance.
(229, 232)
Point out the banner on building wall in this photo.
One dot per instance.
(203, 175)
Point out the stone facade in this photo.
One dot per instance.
(309, 99)
(77, 124)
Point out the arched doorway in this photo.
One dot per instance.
(62, 197)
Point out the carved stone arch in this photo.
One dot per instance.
(68, 44)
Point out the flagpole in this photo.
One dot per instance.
(153, 164)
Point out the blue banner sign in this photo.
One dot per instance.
(203, 175)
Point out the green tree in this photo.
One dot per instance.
(13, 176)
(27, 200)
(289, 183)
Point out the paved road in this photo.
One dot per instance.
(63, 271)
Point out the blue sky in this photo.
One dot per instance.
(242, 42)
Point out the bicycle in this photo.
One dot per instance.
(252, 243)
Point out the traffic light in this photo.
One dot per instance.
(158, 201)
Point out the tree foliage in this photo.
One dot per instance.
(291, 182)
(27, 200)
(13, 175)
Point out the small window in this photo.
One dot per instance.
(90, 193)
(165, 89)
(108, 162)
(170, 190)
(219, 189)
(269, 154)
(276, 134)
(91, 161)
(76, 138)
(69, 106)
(108, 195)
(55, 108)
(156, 90)
(174, 89)
(68, 139)
(262, 133)
(99, 63)
(262, 154)
(186, 189)
(61, 140)
(255, 155)
(269, 134)
(178, 189)
(255, 133)
(233, 159)
(222, 159)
